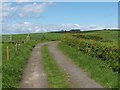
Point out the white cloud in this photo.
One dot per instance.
(27, 27)
(61, 0)
(28, 10)
(17, 1)
(96, 27)
(27, 23)
(32, 10)
(4, 9)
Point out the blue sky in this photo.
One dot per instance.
(82, 13)
(58, 15)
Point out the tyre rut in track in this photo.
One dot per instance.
(34, 75)
(77, 76)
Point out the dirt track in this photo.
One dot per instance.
(77, 77)
(35, 77)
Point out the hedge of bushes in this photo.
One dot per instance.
(104, 51)
(87, 37)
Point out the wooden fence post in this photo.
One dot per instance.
(19, 46)
(16, 47)
(10, 37)
(28, 38)
(8, 53)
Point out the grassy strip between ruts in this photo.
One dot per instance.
(96, 69)
(56, 78)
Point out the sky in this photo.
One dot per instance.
(32, 17)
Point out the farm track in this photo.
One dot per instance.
(35, 77)
(76, 76)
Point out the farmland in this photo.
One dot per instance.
(95, 52)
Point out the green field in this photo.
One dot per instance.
(110, 36)
(96, 52)
(33, 36)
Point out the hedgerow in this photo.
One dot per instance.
(105, 51)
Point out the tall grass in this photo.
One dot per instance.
(12, 69)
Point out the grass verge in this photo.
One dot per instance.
(94, 67)
(56, 78)
(12, 69)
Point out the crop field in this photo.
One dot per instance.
(98, 48)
